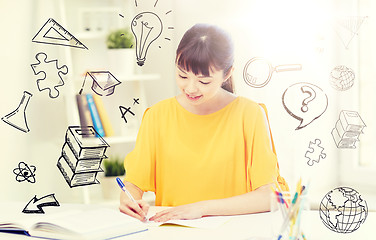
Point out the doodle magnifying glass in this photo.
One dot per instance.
(258, 71)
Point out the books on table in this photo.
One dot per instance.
(96, 223)
(102, 223)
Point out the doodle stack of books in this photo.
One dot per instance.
(81, 156)
(347, 130)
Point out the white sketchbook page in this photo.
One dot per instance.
(210, 222)
(96, 220)
(26, 221)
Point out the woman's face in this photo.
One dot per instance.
(199, 88)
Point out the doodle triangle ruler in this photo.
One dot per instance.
(53, 33)
(348, 27)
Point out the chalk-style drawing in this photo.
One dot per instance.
(104, 82)
(155, 4)
(258, 71)
(25, 172)
(347, 130)
(304, 102)
(136, 101)
(50, 77)
(343, 210)
(36, 205)
(347, 27)
(81, 156)
(124, 110)
(147, 25)
(315, 152)
(17, 118)
(342, 78)
(146, 28)
(53, 33)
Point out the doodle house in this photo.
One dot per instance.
(81, 156)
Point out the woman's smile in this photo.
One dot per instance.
(193, 97)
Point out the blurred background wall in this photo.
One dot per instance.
(290, 32)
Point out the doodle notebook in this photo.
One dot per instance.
(94, 224)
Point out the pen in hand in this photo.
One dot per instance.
(122, 186)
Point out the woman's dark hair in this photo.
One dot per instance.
(205, 46)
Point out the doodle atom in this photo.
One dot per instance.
(25, 172)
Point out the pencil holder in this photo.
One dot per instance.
(286, 211)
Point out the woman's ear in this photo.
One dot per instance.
(229, 74)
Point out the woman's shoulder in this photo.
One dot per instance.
(161, 107)
(163, 104)
(253, 111)
(249, 109)
(247, 104)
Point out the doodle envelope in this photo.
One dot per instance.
(103, 82)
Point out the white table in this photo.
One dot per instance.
(251, 227)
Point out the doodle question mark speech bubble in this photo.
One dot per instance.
(305, 102)
(312, 95)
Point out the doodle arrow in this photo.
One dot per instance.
(35, 205)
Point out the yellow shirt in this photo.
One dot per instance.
(185, 157)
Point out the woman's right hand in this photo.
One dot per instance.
(138, 209)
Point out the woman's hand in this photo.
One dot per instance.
(251, 202)
(137, 209)
(188, 211)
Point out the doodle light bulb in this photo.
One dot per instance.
(146, 28)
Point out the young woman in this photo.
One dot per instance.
(205, 151)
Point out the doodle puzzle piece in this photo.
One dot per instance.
(50, 77)
(315, 152)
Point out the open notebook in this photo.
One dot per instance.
(210, 222)
(103, 223)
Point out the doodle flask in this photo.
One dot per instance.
(17, 118)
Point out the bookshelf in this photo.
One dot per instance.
(132, 85)
(95, 58)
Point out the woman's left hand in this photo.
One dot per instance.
(188, 211)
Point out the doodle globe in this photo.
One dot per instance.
(342, 78)
(343, 210)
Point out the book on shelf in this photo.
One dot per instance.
(83, 110)
(105, 119)
(94, 115)
(99, 223)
